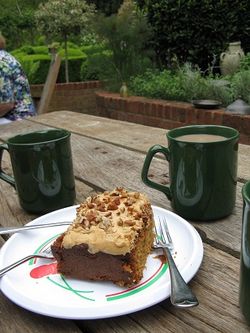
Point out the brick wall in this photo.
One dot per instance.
(75, 96)
(167, 114)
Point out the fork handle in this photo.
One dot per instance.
(11, 230)
(15, 264)
(181, 295)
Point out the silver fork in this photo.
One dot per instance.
(46, 254)
(181, 295)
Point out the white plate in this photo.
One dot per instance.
(55, 296)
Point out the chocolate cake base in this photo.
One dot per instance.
(78, 263)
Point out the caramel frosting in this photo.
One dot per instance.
(109, 222)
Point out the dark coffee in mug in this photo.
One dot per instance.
(42, 168)
(201, 138)
(202, 170)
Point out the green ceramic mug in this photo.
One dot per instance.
(202, 170)
(42, 168)
(245, 254)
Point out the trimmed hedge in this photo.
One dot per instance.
(30, 55)
(74, 64)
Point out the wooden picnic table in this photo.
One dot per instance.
(109, 153)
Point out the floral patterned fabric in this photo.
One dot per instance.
(14, 86)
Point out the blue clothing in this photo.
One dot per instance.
(14, 86)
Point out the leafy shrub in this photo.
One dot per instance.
(93, 49)
(126, 35)
(40, 49)
(27, 49)
(240, 83)
(72, 45)
(156, 84)
(40, 75)
(196, 30)
(98, 66)
(186, 84)
(245, 62)
(74, 64)
(18, 54)
(220, 90)
(30, 68)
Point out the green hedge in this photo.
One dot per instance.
(75, 64)
(36, 62)
(196, 30)
(97, 66)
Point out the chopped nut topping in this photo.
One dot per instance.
(117, 201)
(129, 202)
(112, 205)
(114, 194)
(90, 215)
(120, 222)
(130, 209)
(101, 207)
(86, 224)
(112, 218)
(97, 201)
(105, 224)
(129, 222)
(90, 205)
(137, 215)
(108, 214)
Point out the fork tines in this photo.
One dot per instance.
(162, 232)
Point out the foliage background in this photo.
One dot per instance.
(182, 31)
(196, 30)
(191, 30)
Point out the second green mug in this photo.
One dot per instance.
(244, 289)
(42, 168)
(202, 170)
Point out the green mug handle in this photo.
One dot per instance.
(3, 175)
(144, 175)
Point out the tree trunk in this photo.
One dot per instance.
(66, 59)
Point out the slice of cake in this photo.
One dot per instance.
(110, 239)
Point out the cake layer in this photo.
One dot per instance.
(79, 263)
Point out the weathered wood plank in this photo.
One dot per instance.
(50, 84)
(19, 127)
(134, 136)
(131, 135)
(216, 286)
(15, 319)
(102, 165)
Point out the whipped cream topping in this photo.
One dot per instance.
(110, 222)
